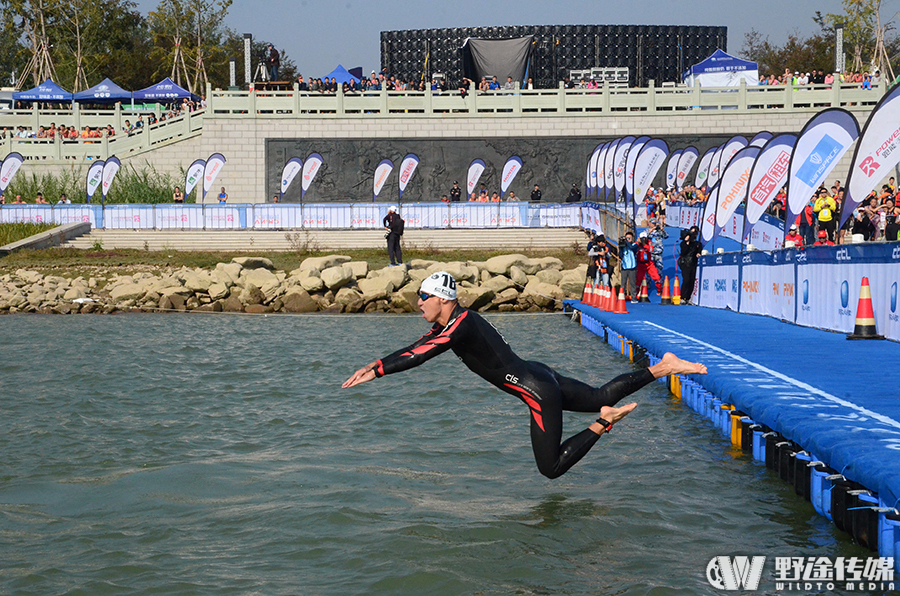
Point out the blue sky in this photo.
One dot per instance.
(319, 34)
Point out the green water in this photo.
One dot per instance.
(218, 455)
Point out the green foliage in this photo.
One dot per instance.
(796, 54)
(130, 186)
(19, 231)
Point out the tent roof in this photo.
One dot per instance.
(720, 61)
(165, 90)
(46, 91)
(104, 92)
(340, 74)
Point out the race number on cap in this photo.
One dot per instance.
(440, 284)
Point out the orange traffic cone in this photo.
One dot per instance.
(604, 299)
(620, 308)
(587, 294)
(676, 291)
(643, 296)
(612, 298)
(598, 293)
(666, 297)
(865, 316)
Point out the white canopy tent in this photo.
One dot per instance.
(721, 70)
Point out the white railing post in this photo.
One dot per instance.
(742, 96)
(607, 98)
(296, 109)
(836, 93)
(117, 117)
(651, 96)
(517, 99)
(384, 100)
(561, 98)
(340, 100)
(429, 110)
(35, 118)
(789, 96)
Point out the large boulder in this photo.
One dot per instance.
(336, 277)
(360, 268)
(396, 275)
(500, 265)
(375, 288)
(258, 277)
(572, 281)
(549, 276)
(298, 300)
(548, 263)
(517, 275)
(217, 291)
(127, 291)
(323, 263)
(196, 281)
(74, 293)
(349, 299)
(460, 271)
(253, 262)
(232, 304)
(510, 295)
(312, 284)
(227, 273)
(251, 295)
(498, 283)
(31, 277)
(405, 299)
(421, 264)
(474, 297)
(543, 294)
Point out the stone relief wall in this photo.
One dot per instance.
(349, 165)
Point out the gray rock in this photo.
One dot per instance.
(549, 276)
(420, 264)
(518, 276)
(74, 293)
(128, 291)
(217, 291)
(298, 300)
(474, 298)
(507, 296)
(323, 263)
(548, 263)
(500, 265)
(253, 262)
(228, 274)
(375, 288)
(498, 283)
(175, 290)
(336, 277)
(257, 277)
(396, 275)
(543, 294)
(232, 304)
(312, 284)
(31, 277)
(359, 268)
(251, 295)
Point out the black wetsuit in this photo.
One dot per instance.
(481, 348)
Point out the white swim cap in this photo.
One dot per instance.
(440, 284)
(392, 209)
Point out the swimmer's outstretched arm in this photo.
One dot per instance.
(363, 375)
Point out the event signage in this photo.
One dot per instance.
(293, 167)
(876, 153)
(708, 225)
(648, 163)
(601, 172)
(672, 168)
(620, 160)
(214, 165)
(769, 174)
(703, 169)
(513, 166)
(8, 169)
(633, 153)
(110, 169)
(311, 167)
(714, 171)
(819, 148)
(407, 169)
(609, 168)
(476, 168)
(685, 163)
(382, 171)
(94, 177)
(734, 184)
(592, 170)
(760, 139)
(193, 176)
(729, 150)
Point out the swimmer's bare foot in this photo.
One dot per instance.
(673, 365)
(612, 415)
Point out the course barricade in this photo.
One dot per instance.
(359, 216)
(817, 286)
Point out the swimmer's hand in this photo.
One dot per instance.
(363, 375)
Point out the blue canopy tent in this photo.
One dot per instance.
(164, 91)
(105, 92)
(721, 70)
(341, 75)
(47, 91)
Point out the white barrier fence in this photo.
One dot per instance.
(360, 216)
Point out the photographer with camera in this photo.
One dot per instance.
(690, 252)
(393, 224)
(273, 61)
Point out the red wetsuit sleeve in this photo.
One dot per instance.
(435, 342)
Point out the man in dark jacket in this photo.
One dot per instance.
(690, 252)
(393, 223)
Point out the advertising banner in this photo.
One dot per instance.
(714, 171)
(276, 217)
(368, 216)
(8, 169)
(293, 167)
(876, 152)
(476, 168)
(648, 163)
(708, 225)
(64, 214)
(769, 175)
(311, 167)
(129, 217)
(221, 217)
(513, 166)
(561, 216)
(672, 168)
(703, 167)
(94, 177)
(819, 147)
(425, 215)
(760, 139)
(735, 180)
(609, 170)
(407, 169)
(729, 150)
(630, 161)
(325, 215)
(193, 176)
(110, 169)
(685, 164)
(719, 284)
(214, 165)
(26, 214)
(179, 217)
(597, 171)
(620, 160)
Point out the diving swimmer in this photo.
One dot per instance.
(546, 393)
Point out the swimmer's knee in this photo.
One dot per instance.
(552, 472)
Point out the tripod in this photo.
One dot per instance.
(262, 73)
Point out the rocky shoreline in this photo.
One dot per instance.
(330, 284)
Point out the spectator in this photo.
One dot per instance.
(657, 234)
(646, 265)
(793, 236)
(823, 239)
(178, 196)
(509, 86)
(536, 194)
(891, 223)
(444, 199)
(40, 200)
(495, 197)
(2, 199)
(273, 61)
(63, 200)
(574, 195)
(627, 253)
(19, 200)
(275, 198)
(512, 196)
(824, 209)
(223, 197)
(393, 224)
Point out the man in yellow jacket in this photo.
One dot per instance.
(824, 209)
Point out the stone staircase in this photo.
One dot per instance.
(505, 239)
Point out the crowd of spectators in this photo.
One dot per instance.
(818, 77)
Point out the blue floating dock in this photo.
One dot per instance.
(838, 400)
